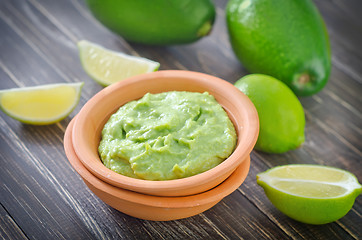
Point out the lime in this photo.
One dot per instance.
(311, 194)
(107, 67)
(156, 22)
(281, 115)
(40, 105)
(284, 39)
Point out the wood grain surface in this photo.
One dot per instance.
(42, 197)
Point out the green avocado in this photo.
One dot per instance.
(156, 22)
(286, 39)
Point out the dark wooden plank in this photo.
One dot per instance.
(47, 41)
(31, 190)
(237, 218)
(344, 26)
(8, 227)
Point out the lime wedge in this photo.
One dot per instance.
(311, 194)
(40, 105)
(107, 67)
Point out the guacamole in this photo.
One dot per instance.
(167, 136)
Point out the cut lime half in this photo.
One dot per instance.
(40, 105)
(107, 67)
(311, 194)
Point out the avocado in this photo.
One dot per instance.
(156, 22)
(284, 39)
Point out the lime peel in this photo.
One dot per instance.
(281, 115)
(310, 200)
(41, 105)
(107, 67)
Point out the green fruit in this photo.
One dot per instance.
(107, 67)
(41, 105)
(281, 115)
(157, 22)
(284, 39)
(311, 194)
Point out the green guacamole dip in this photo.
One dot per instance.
(167, 136)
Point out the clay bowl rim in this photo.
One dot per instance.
(185, 81)
(216, 194)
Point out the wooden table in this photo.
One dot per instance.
(42, 197)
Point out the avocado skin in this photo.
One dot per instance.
(286, 39)
(156, 22)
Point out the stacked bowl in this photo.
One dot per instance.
(169, 199)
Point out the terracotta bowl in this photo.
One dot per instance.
(150, 207)
(96, 112)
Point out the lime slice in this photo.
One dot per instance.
(41, 105)
(107, 67)
(310, 193)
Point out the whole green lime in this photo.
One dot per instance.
(281, 115)
(156, 22)
(284, 39)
